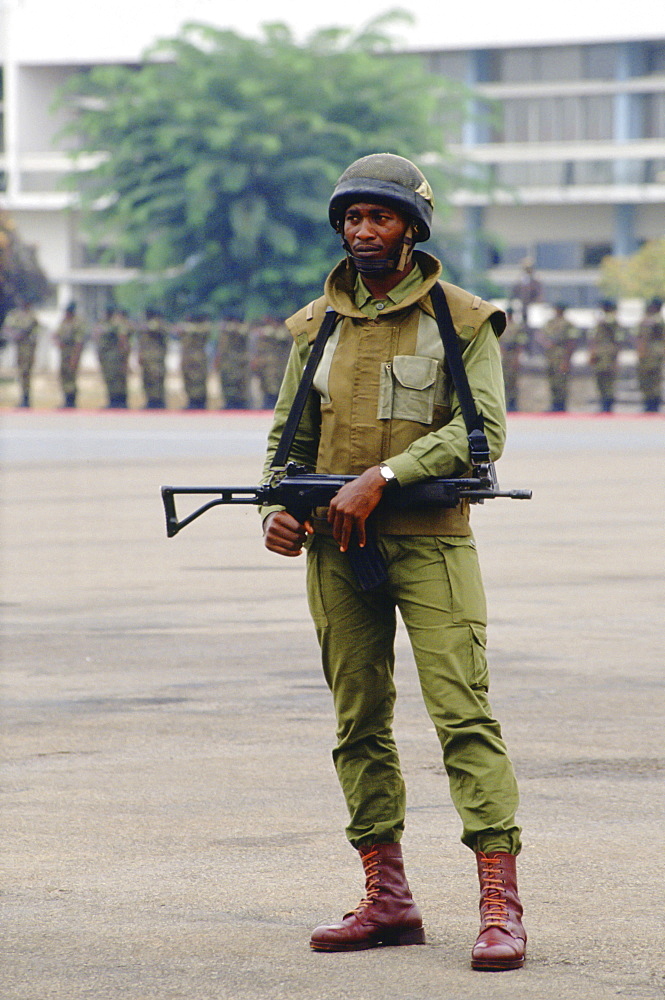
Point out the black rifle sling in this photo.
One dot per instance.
(475, 425)
(285, 444)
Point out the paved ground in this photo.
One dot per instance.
(171, 822)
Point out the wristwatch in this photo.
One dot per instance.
(387, 473)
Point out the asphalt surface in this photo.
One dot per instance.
(171, 823)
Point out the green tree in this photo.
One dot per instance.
(218, 154)
(21, 276)
(641, 276)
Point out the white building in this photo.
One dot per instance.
(577, 146)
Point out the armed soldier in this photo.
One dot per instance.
(606, 340)
(153, 336)
(112, 339)
(271, 352)
(233, 363)
(70, 337)
(383, 408)
(21, 327)
(558, 338)
(650, 340)
(194, 334)
(514, 341)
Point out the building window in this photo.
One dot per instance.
(453, 65)
(600, 62)
(655, 58)
(592, 255)
(654, 116)
(559, 256)
(557, 119)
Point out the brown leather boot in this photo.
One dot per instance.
(386, 916)
(501, 943)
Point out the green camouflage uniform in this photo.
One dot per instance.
(271, 353)
(113, 352)
(71, 336)
(22, 328)
(650, 357)
(153, 342)
(607, 339)
(194, 338)
(559, 339)
(233, 363)
(513, 341)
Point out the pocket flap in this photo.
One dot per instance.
(414, 372)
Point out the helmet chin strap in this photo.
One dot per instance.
(384, 265)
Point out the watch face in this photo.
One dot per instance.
(387, 473)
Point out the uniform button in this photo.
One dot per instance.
(380, 305)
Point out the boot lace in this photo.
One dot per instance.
(372, 881)
(494, 907)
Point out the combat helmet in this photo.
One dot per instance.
(387, 179)
(384, 179)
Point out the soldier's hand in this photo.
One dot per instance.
(349, 510)
(284, 535)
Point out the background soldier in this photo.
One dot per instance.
(194, 336)
(233, 362)
(650, 355)
(607, 339)
(153, 342)
(22, 328)
(70, 337)
(272, 347)
(514, 340)
(112, 338)
(558, 338)
(525, 292)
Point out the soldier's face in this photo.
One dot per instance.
(374, 230)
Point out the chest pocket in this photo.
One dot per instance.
(410, 388)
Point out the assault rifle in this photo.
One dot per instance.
(299, 492)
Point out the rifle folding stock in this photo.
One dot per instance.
(299, 492)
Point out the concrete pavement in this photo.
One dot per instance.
(171, 821)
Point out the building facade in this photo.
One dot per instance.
(571, 137)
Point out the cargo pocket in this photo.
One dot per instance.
(462, 568)
(479, 670)
(410, 387)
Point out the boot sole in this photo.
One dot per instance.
(489, 966)
(396, 940)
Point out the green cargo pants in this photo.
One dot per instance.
(437, 587)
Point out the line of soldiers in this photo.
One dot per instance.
(558, 339)
(237, 351)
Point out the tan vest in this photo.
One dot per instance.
(383, 385)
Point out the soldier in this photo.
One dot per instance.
(112, 337)
(153, 342)
(514, 340)
(233, 362)
(22, 328)
(650, 355)
(558, 338)
(607, 339)
(381, 409)
(70, 337)
(526, 290)
(272, 347)
(194, 336)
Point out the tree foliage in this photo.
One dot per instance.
(21, 277)
(219, 154)
(641, 276)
